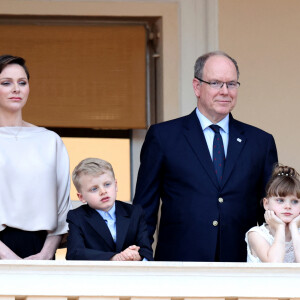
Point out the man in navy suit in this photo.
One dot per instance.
(206, 207)
(104, 228)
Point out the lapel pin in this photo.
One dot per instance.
(239, 140)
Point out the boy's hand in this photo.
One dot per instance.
(272, 220)
(117, 257)
(129, 254)
(134, 247)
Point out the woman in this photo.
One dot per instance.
(34, 174)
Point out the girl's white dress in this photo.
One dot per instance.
(264, 232)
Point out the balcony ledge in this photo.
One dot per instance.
(148, 279)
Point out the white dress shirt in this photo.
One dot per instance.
(110, 218)
(209, 133)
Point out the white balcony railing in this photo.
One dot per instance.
(140, 280)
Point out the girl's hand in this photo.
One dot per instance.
(295, 222)
(272, 220)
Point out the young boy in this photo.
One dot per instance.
(105, 228)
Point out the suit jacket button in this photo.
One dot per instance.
(215, 223)
(221, 200)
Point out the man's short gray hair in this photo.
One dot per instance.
(200, 62)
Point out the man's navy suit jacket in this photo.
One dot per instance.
(90, 239)
(177, 168)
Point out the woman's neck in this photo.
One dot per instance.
(11, 120)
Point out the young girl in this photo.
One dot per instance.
(278, 240)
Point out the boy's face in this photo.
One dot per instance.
(99, 191)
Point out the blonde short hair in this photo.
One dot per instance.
(90, 166)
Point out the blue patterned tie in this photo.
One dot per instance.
(218, 153)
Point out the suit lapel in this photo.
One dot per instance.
(195, 137)
(122, 223)
(99, 225)
(237, 141)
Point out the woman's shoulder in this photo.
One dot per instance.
(37, 130)
(27, 124)
(41, 136)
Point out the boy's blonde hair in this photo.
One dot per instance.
(90, 166)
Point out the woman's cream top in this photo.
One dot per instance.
(34, 180)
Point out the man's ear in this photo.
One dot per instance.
(196, 87)
(80, 197)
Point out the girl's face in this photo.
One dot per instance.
(14, 88)
(285, 208)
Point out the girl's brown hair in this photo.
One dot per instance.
(284, 182)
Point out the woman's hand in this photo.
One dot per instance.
(37, 256)
(49, 248)
(6, 253)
